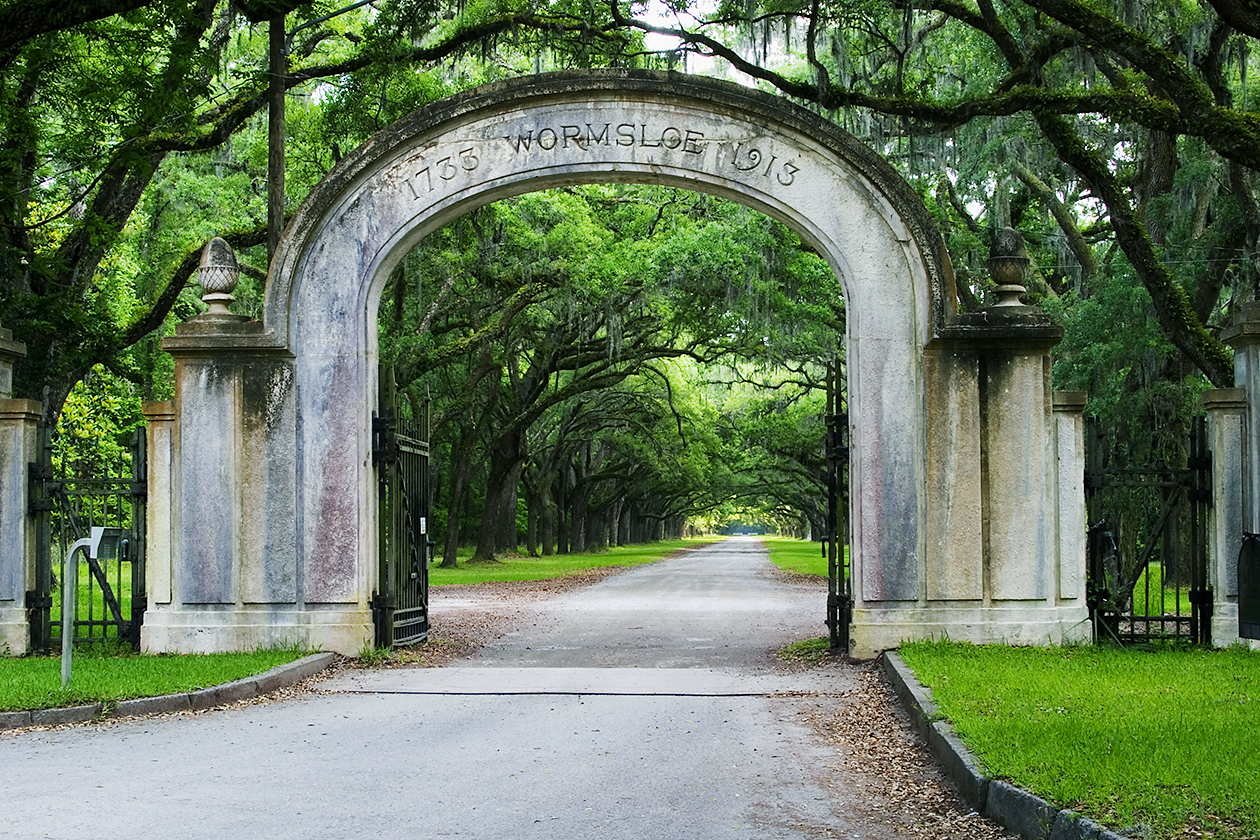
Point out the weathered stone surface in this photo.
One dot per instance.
(1027, 815)
(1069, 825)
(269, 520)
(14, 720)
(71, 714)
(220, 694)
(207, 514)
(955, 550)
(1017, 407)
(1070, 513)
(299, 386)
(1244, 336)
(159, 541)
(18, 443)
(1226, 436)
(164, 704)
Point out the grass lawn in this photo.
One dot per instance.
(518, 567)
(801, 556)
(34, 682)
(1161, 600)
(1162, 737)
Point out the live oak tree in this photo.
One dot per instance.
(106, 104)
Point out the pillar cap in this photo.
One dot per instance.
(1224, 398)
(1244, 329)
(1069, 400)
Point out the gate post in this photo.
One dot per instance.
(1005, 549)
(223, 569)
(1226, 429)
(1243, 335)
(19, 442)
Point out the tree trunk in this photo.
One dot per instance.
(505, 460)
(461, 472)
(506, 536)
(546, 516)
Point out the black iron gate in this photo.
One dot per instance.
(835, 542)
(65, 501)
(400, 451)
(1147, 574)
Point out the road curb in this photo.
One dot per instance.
(281, 676)
(1026, 814)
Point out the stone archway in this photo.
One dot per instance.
(956, 507)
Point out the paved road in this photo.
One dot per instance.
(645, 706)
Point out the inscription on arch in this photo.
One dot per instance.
(450, 159)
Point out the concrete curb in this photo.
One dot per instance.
(1029, 816)
(281, 676)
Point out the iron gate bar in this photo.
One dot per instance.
(836, 449)
(400, 452)
(1189, 486)
(63, 508)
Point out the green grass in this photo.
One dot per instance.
(1154, 606)
(1160, 736)
(516, 568)
(109, 676)
(91, 599)
(800, 556)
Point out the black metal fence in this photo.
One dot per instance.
(1147, 576)
(66, 501)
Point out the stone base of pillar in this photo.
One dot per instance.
(15, 630)
(213, 629)
(1020, 623)
(1225, 626)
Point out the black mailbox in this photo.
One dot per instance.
(1249, 587)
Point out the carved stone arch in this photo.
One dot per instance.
(292, 394)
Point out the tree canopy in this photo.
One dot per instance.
(1122, 138)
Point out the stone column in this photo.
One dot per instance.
(1005, 549)
(19, 440)
(160, 434)
(1244, 336)
(224, 571)
(1069, 487)
(1226, 440)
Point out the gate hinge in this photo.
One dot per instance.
(37, 506)
(1197, 494)
(1200, 462)
(1201, 596)
(384, 440)
(140, 489)
(38, 600)
(1093, 481)
(39, 472)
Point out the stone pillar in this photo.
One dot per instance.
(1244, 336)
(1068, 483)
(1005, 545)
(224, 571)
(160, 438)
(19, 440)
(1226, 440)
